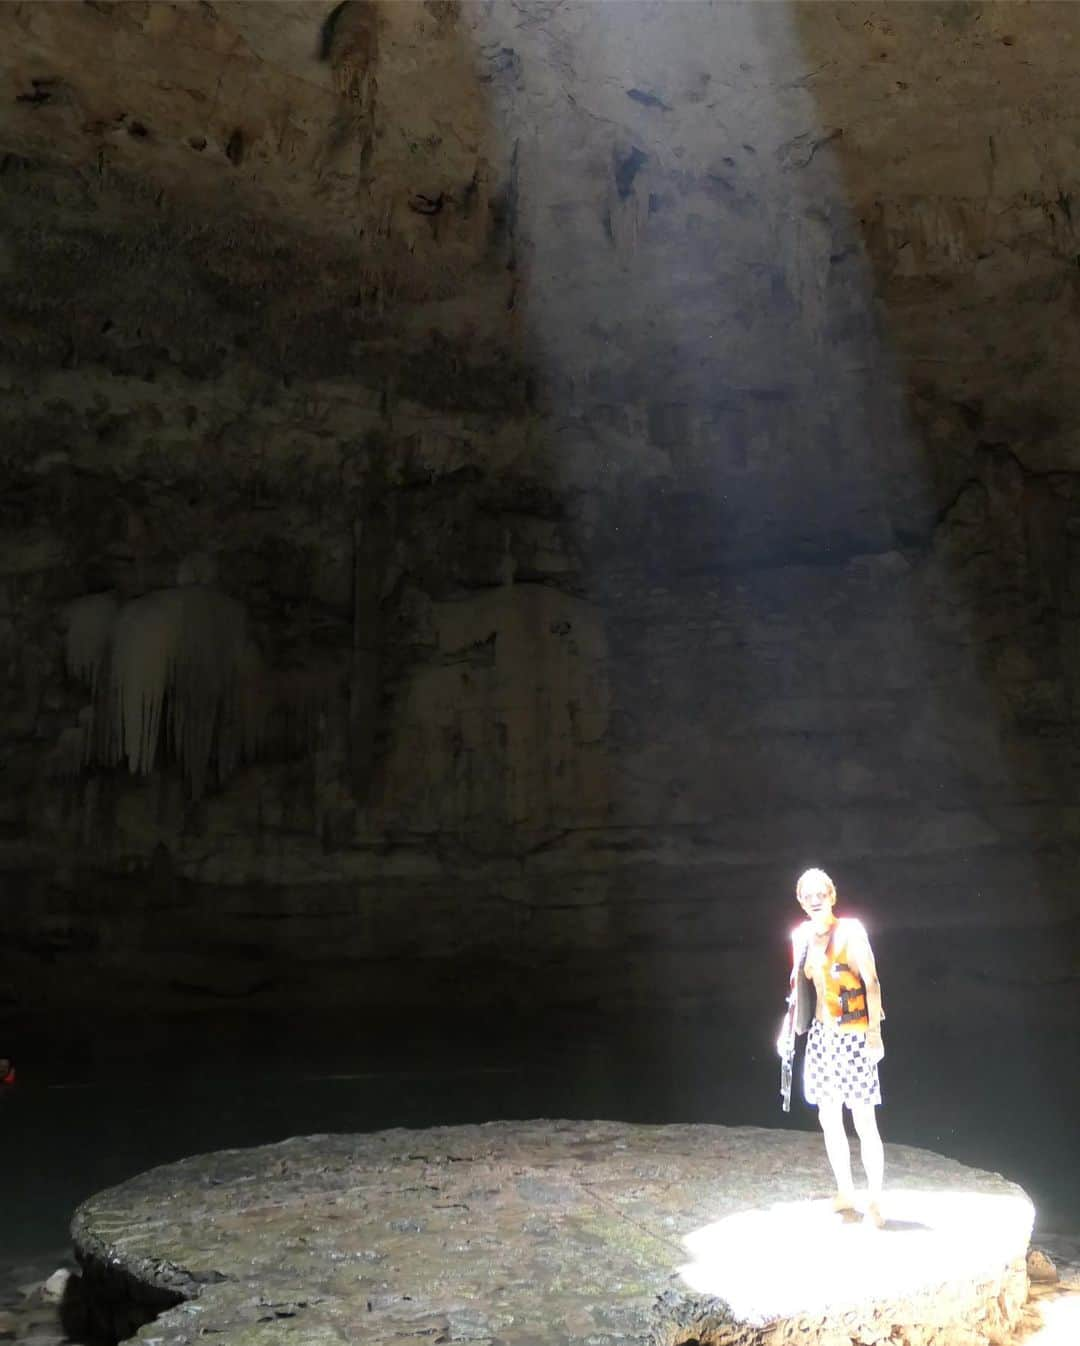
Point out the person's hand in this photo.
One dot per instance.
(875, 1048)
(783, 1043)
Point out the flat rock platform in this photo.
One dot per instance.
(522, 1233)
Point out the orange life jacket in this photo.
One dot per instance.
(845, 991)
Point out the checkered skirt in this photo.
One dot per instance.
(837, 1068)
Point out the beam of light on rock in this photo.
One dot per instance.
(797, 1258)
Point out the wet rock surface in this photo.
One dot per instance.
(550, 1231)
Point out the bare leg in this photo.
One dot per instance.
(872, 1152)
(831, 1117)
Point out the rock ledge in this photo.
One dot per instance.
(552, 1231)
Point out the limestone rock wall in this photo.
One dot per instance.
(649, 427)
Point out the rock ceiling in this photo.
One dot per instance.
(699, 204)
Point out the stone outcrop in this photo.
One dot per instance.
(556, 1232)
(649, 427)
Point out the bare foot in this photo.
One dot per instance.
(873, 1216)
(843, 1202)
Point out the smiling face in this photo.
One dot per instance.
(816, 894)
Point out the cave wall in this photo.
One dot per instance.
(651, 428)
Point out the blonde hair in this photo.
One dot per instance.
(814, 876)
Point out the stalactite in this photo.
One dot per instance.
(174, 668)
(175, 676)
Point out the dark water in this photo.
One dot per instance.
(96, 1103)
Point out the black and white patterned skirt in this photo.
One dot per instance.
(837, 1068)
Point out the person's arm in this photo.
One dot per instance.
(862, 960)
(786, 1040)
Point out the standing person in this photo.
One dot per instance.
(831, 956)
